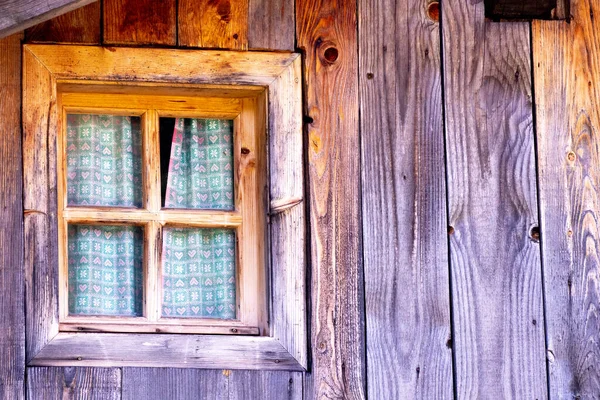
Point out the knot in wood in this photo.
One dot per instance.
(331, 54)
(433, 11)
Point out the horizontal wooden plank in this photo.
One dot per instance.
(187, 218)
(18, 15)
(177, 351)
(156, 327)
(193, 105)
(74, 383)
(162, 65)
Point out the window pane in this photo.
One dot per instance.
(199, 273)
(105, 270)
(200, 173)
(104, 160)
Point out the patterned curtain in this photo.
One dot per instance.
(199, 264)
(104, 169)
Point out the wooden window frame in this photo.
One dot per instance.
(266, 89)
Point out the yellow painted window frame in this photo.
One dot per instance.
(262, 92)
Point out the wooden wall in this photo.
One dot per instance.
(453, 172)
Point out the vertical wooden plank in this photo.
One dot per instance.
(567, 78)
(72, 383)
(12, 320)
(140, 22)
(404, 202)
(265, 385)
(326, 32)
(271, 25)
(39, 203)
(495, 265)
(170, 383)
(78, 26)
(221, 24)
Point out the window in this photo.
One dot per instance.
(163, 196)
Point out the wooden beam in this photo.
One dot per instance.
(531, 9)
(404, 203)
(12, 322)
(567, 87)
(326, 32)
(496, 277)
(18, 15)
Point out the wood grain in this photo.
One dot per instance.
(12, 319)
(326, 32)
(404, 203)
(78, 26)
(39, 118)
(169, 383)
(265, 385)
(140, 22)
(163, 65)
(74, 383)
(17, 15)
(497, 302)
(169, 350)
(567, 72)
(271, 25)
(220, 24)
(518, 9)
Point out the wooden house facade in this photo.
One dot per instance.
(445, 197)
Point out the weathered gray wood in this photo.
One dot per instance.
(271, 25)
(287, 221)
(495, 266)
(567, 75)
(39, 199)
(265, 385)
(17, 15)
(530, 9)
(73, 383)
(170, 383)
(326, 31)
(167, 350)
(12, 320)
(404, 203)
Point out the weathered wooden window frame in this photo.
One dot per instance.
(50, 70)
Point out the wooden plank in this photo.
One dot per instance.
(168, 383)
(40, 204)
(495, 266)
(12, 319)
(271, 25)
(74, 383)
(326, 32)
(18, 15)
(532, 9)
(166, 65)
(220, 24)
(78, 26)
(265, 385)
(170, 350)
(404, 203)
(140, 22)
(566, 74)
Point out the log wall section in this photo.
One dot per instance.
(450, 303)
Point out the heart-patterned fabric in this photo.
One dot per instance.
(105, 270)
(199, 273)
(201, 165)
(104, 160)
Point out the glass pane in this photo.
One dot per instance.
(105, 270)
(199, 273)
(104, 160)
(200, 172)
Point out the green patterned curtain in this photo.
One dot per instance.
(199, 264)
(104, 160)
